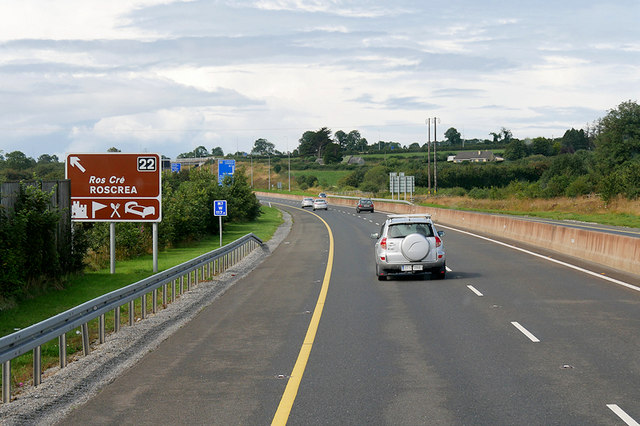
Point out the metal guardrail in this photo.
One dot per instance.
(32, 337)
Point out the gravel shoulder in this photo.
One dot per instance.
(63, 390)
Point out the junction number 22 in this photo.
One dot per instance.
(147, 164)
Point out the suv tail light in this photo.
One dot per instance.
(438, 241)
(383, 243)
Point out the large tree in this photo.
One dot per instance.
(574, 140)
(341, 138)
(354, 140)
(453, 136)
(19, 161)
(618, 152)
(332, 154)
(263, 147)
(503, 136)
(618, 140)
(515, 150)
(313, 143)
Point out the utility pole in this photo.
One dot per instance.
(435, 161)
(289, 153)
(428, 121)
(269, 157)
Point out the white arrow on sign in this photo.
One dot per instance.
(75, 162)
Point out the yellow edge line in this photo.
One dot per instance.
(291, 391)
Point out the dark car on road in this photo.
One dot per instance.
(364, 205)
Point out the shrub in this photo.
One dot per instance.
(29, 255)
(580, 186)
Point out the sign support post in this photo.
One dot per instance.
(220, 209)
(112, 246)
(155, 246)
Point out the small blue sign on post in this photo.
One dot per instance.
(220, 208)
(175, 167)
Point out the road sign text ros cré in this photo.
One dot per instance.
(115, 187)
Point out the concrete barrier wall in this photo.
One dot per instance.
(615, 251)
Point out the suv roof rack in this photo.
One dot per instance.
(420, 215)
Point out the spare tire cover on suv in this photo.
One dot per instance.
(415, 247)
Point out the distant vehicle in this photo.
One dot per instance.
(307, 202)
(322, 195)
(364, 204)
(319, 204)
(409, 244)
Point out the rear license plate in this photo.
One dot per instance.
(407, 268)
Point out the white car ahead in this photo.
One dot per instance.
(319, 204)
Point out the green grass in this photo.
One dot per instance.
(90, 285)
(613, 219)
(325, 177)
(93, 284)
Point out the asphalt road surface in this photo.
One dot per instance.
(508, 338)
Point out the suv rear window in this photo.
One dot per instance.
(401, 230)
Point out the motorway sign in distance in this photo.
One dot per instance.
(115, 187)
(225, 168)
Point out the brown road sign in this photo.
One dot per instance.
(115, 187)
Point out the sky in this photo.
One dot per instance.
(167, 76)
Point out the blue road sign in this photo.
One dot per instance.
(175, 167)
(220, 208)
(225, 168)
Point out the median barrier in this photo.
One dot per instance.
(614, 251)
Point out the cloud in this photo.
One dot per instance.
(170, 74)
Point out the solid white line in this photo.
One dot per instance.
(526, 332)
(448, 269)
(550, 259)
(473, 289)
(624, 416)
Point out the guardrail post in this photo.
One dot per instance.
(116, 319)
(85, 339)
(62, 350)
(173, 290)
(101, 332)
(154, 305)
(132, 312)
(189, 281)
(144, 306)
(6, 382)
(164, 294)
(37, 365)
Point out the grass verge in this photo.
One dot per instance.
(94, 284)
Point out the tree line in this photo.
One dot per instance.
(31, 261)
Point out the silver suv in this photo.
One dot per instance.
(409, 244)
